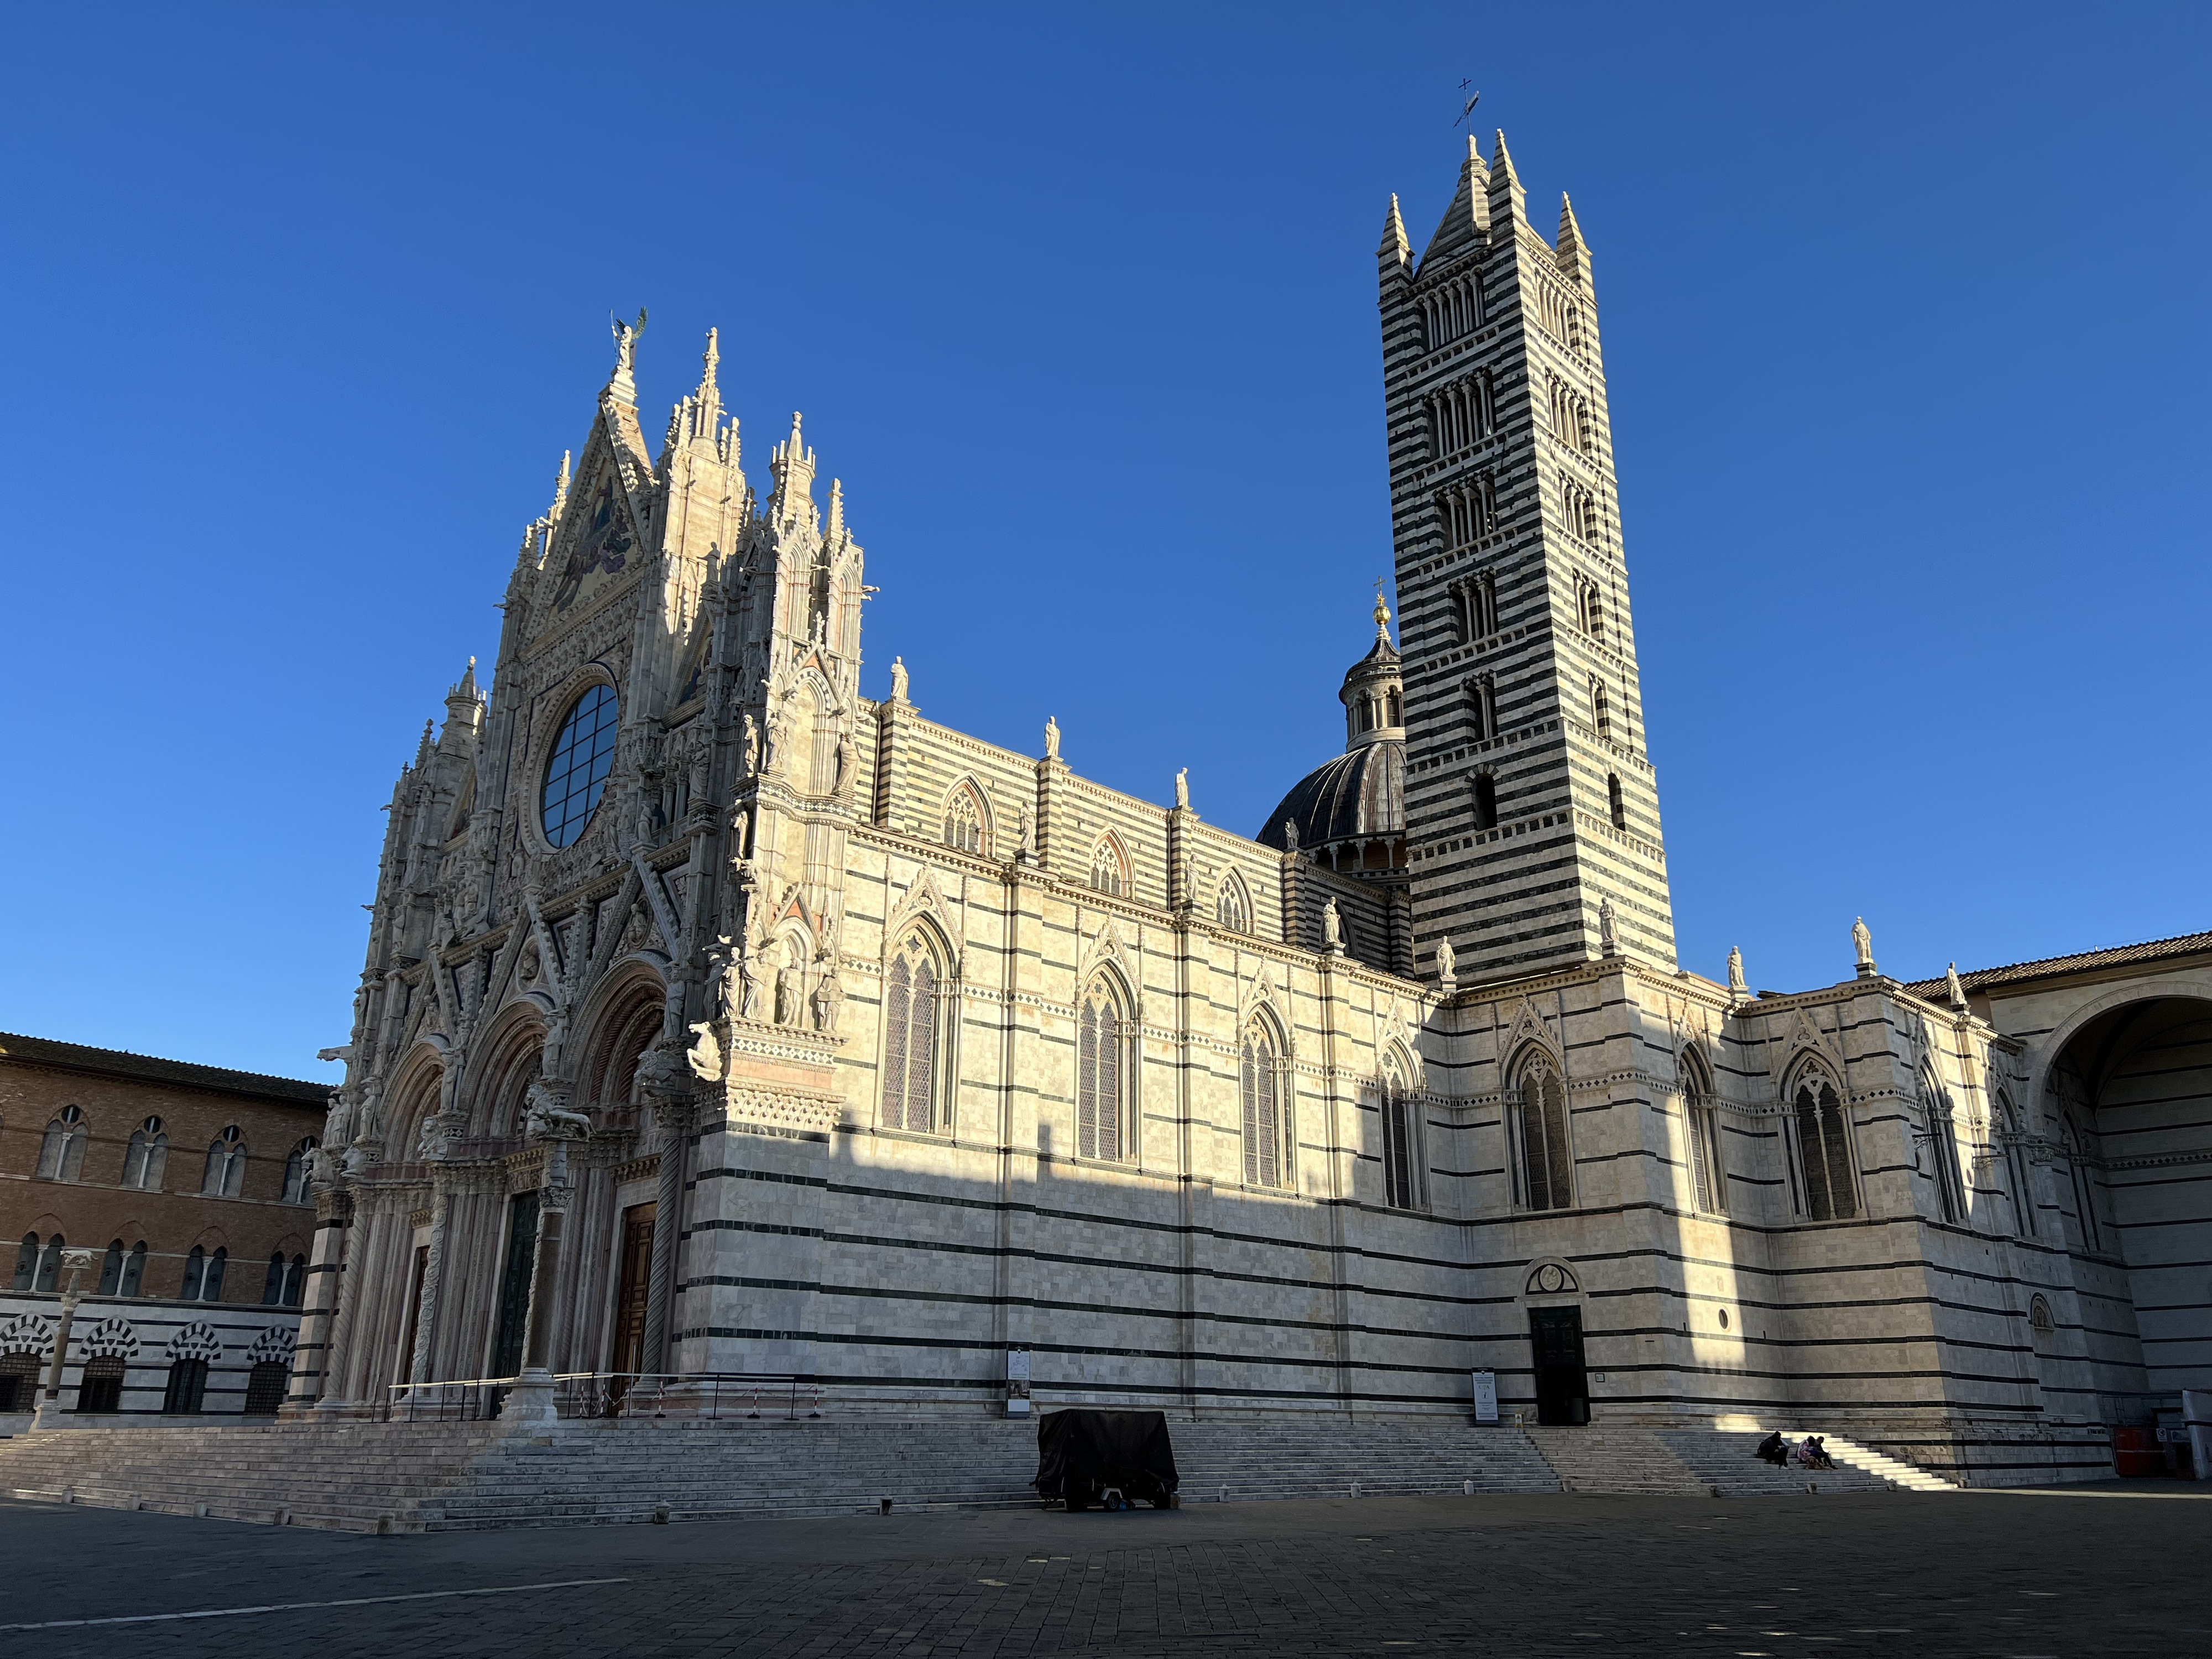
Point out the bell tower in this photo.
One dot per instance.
(1531, 803)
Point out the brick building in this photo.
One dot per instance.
(188, 1184)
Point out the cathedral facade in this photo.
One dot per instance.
(718, 1019)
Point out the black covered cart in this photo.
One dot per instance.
(1082, 1453)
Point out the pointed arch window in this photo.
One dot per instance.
(963, 822)
(1105, 1070)
(2083, 1181)
(1827, 1190)
(1616, 803)
(204, 1273)
(1600, 713)
(912, 1050)
(1109, 874)
(225, 1175)
(1232, 906)
(1266, 1112)
(1544, 1160)
(27, 1262)
(1943, 1144)
(1405, 1166)
(1701, 1128)
(61, 1154)
(298, 1170)
(2016, 1167)
(280, 1287)
(147, 1157)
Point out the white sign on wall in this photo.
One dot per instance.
(1017, 1382)
(1486, 1397)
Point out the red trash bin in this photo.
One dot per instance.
(2135, 1451)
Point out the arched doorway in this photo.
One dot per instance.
(2126, 1134)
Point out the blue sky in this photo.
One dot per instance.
(1903, 323)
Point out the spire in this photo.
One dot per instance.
(1396, 248)
(1572, 252)
(837, 510)
(1465, 223)
(792, 464)
(704, 407)
(462, 707)
(1509, 202)
(423, 749)
(560, 488)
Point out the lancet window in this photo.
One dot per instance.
(1544, 1160)
(963, 822)
(1827, 1190)
(225, 1174)
(912, 1027)
(299, 1169)
(204, 1275)
(1482, 708)
(1232, 907)
(1485, 801)
(1701, 1129)
(1266, 1108)
(1600, 713)
(2016, 1167)
(281, 1287)
(1462, 416)
(1616, 802)
(1943, 1146)
(122, 1273)
(1474, 608)
(1468, 511)
(1451, 310)
(1579, 510)
(1105, 1069)
(1403, 1163)
(1109, 874)
(61, 1154)
(146, 1158)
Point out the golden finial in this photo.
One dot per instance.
(1382, 610)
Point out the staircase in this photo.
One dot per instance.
(1615, 1459)
(374, 1477)
(1849, 1454)
(723, 1470)
(350, 1477)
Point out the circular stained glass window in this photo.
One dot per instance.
(578, 771)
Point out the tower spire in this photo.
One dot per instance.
(1509, 202)
(1572, 252)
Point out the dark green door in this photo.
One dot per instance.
(1562, 1386)
(514, 1286)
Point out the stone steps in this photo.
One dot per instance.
(407, 1478)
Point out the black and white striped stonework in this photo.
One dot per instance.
(1530, 796)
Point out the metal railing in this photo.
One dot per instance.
(711, 1395)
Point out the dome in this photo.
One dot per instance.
(1350, 812)
(1357, 796)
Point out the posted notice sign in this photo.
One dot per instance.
(1486, 1397)
(1017, 1382)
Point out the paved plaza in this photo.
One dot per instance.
(2110, 1570)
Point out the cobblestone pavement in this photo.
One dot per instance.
(2106, 1571)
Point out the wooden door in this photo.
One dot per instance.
(633, 1292)
(1562, 1384)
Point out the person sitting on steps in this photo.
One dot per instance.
(1771, 1449)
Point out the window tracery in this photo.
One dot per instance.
(1232, 908)
(1404, 1164)
(1545, 1161)
(1109, 874)
(1822, 1139)
(1261, 1082)
(912, 1022)
(963, 821)
(1104, 1072)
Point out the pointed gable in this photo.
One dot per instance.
(1466, 226)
